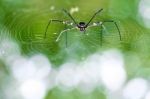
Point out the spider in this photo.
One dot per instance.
(82, 26)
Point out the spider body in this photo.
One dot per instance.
(82, 26)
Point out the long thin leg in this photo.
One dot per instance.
(101, 30)
(101, 36)
(64, 32)
(84, 31)
(116, 27)
(118, 31)
(70, 16)
(102, 27)
(66, 38)
(49, 24)
(93, 16)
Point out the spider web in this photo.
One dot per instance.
(28, 27)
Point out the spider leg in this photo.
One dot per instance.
(66, 36)
(116, 27)
(63, 31)
(101, 30)
(84, 31)
(101, 24)
(49, 24)
(55, 20)
(70, 16)
(101, 35)
(93, 17)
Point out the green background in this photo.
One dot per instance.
(26, 20)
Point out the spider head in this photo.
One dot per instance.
(81, 24)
